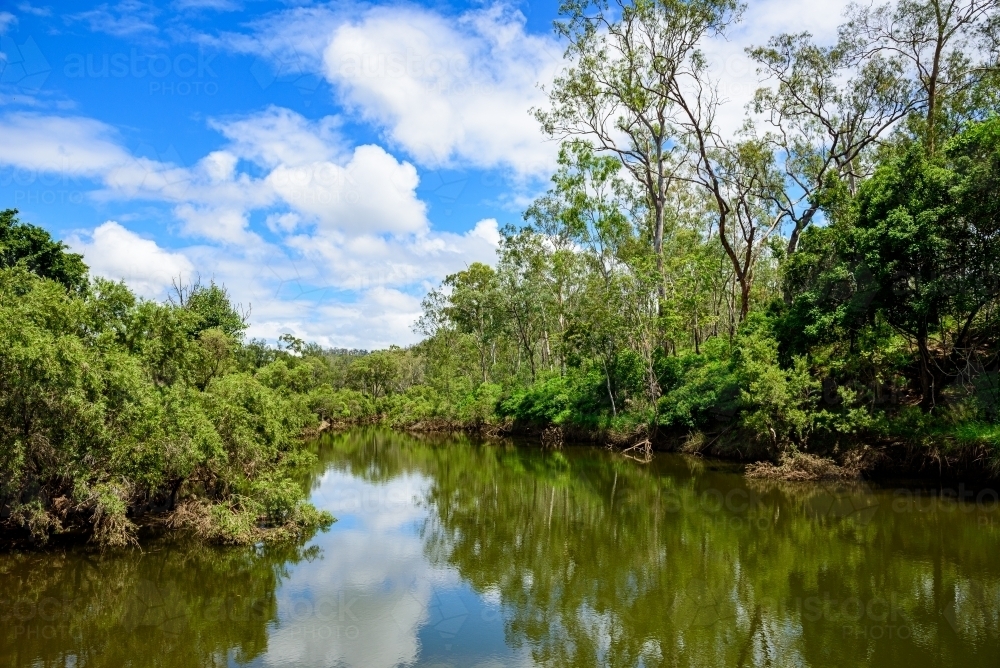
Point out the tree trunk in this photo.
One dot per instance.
(933, 81)
(658, 249)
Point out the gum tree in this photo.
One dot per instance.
(619, 89)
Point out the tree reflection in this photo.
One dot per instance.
(171, 606)
(600, 561)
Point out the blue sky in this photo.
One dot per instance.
(327, 162)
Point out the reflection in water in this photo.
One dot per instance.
(166, 606)
(599, 561)
(374, 599)
(453, 553)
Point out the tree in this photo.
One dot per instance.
(375, 374)
(474, 307)
(620, 90)
(937, 41)
(33, 248)
(827, 116)
(928, 238)
(521, 269)
(212, 308)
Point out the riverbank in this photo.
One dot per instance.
(115, 409)
(858, 460)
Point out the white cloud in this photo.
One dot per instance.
(217, 223)
(72, 146)
(382, 317)
(119, 254)
(128, 18)
(371, 194)
(449, 91)
(361, 292)
(367, 261)
(279, 136)
(352, 248)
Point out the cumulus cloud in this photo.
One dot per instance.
(372, 193)
(278, 136)
(352, 249)
(371, 260)
(361, 292)
(450, 92)
(116, 253)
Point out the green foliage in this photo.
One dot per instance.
(778, 404)
(572, 399)
(112, 407)
(212, 309)
(703, 389)
(31, 247)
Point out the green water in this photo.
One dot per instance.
(453, 553)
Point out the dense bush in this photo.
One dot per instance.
(112, 407)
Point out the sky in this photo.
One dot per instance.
(329, 163)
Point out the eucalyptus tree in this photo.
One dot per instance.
(827, 113)
(474, 306)
(521, 270)
(948, 46)
(736, 176)
(589, 207)
(618, 91)
(752, 190)
(598, 259)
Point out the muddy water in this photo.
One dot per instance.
(452, 553)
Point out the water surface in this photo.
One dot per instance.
(449, 552)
